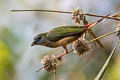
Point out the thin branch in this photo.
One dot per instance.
(43, 11)
(102, 71)
(54, 74)
(91, 33)
(102, 36)
(94, 15)
(56, 11)
(40, 69)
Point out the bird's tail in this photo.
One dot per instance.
(96, 22)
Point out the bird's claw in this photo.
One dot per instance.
(60, 56)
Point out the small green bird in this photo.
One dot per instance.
(63, 35)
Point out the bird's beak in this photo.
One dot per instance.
(33, 43)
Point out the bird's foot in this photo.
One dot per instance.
(65, 52)
(60, 56)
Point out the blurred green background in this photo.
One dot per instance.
(19, 61)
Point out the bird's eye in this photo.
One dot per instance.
(39, 38)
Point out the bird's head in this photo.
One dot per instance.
(40, 39)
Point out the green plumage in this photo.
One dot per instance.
(65, 31)
(63, 35)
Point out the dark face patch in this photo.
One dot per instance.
(38, 37)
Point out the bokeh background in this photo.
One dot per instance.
(19, 61)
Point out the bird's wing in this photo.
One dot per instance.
(65, 31)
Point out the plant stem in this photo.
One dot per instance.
(94, 15)
(102, 36)
(40, 69)
(103, 69)
(43, 11)
(56, 11)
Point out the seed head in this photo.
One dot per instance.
(77, 15)
(50, 63)
(81, 46)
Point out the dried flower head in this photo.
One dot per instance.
(81, 46)
(118, 29)
(77, 15)
(50, 63)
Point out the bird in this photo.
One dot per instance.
(62, 35)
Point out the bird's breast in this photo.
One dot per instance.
(62, 42)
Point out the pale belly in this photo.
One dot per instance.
(62, 42)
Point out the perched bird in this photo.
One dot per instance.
(63, 35)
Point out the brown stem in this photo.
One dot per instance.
(94, 36)
(88, 14)
(43, 11)
(40, 69)
(108, 17)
